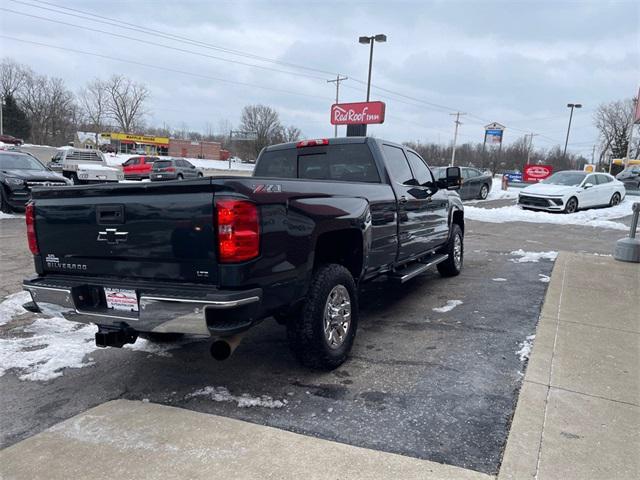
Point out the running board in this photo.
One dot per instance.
(415, 269)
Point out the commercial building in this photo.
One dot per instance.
(194, 149)
(133, 143)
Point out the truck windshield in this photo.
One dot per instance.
(343, 163)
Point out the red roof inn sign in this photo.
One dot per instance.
(361, 113)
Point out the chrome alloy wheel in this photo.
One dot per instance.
(337, 316)
(457, 251)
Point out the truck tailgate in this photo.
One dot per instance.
(160, 231)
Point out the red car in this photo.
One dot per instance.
(138, 168)
(11, 140)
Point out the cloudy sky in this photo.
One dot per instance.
(514, 62)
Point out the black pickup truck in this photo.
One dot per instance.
(214, 256)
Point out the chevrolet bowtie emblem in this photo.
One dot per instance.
(112, 236)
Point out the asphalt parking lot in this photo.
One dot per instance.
(438, 385)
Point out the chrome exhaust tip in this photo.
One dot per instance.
(223, 348)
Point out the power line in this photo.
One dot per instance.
(166, 69)
(148, 42)
(130, 26)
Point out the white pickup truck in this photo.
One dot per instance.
(84, 166)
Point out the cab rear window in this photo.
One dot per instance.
(342, 163)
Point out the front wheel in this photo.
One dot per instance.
(322, 335)
(484, 192)
(4, 206)
(452, 266)
(199, 174)
(615, 200)
(571, 206)
(180, 177)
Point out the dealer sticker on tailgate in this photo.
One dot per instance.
(121, 299)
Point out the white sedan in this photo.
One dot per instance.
(571, 190)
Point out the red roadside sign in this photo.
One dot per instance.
(360, 113)
(535, 173)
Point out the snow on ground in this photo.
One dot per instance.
(12, 306)
(525, 348)
(499, 279)
(221, 394)
(596, 217)
(544, 278)
(236, 164)
(532, 257)
(450, 305)
(44, 348)
(53, 345)
(8, 215)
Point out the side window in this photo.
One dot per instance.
(397, 164)
(602, 179)
(128, 162)
(420, 170)
(591, 179)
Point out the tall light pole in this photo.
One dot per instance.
(455, 136)
(566, 142)
(369, 40)
(1, 115)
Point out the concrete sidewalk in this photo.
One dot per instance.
(578, 414)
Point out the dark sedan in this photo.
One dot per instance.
(19, 173)
(476, 184)
(630, 176)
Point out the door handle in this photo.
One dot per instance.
(402, 200)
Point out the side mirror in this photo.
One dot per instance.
(588, 185)
(453, 178)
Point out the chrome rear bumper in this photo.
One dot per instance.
(216, 313)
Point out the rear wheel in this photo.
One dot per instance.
(4, 206)
(615, 200)
(322, 335)
(199, 174)
(571, 206)
(180, 177)
(74, 179)
(452, 266)
(484, 192)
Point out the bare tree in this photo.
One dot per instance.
(613, 121)
(93, 105)
(51, 109)
(289, 134)
(264, 122)
(13, 78)
(126, 102)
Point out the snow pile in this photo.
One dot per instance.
(544, 278)
(525, 348)
(597, 217)
(532, 257)
(7, 215)
(12, 306)
(450, 305)
(221, 394)
(159, 349)
(53, 344)
(499, 279)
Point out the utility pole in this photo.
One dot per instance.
(530, 144)
(566, 142)
(455, 136)
(337, 82)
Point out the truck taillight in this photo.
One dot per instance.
(30, 216)
(312, 143)
(238, 230)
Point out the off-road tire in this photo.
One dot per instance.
(452, 266)
(305, 332)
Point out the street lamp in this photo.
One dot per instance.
(369, 40)
(566, 142)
